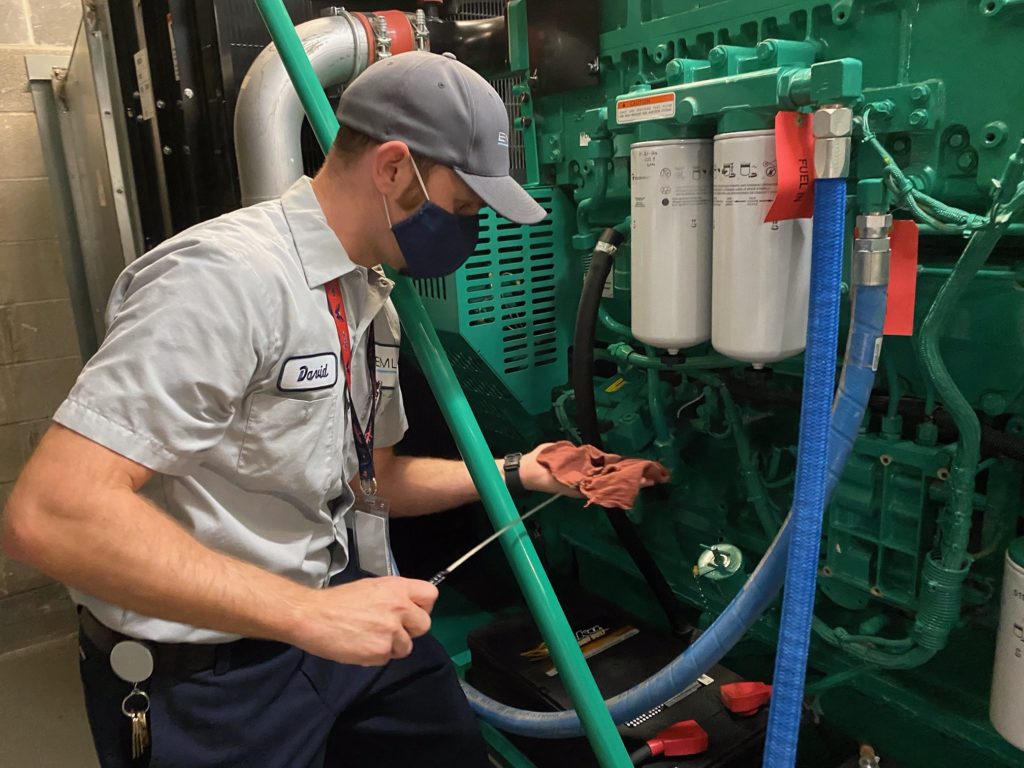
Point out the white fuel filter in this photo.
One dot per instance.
(1006, 705)
(670, 261)
(761, 271)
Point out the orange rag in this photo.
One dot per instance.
(605, 479)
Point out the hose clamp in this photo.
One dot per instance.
(606, 247)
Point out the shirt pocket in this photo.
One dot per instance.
(290, 446)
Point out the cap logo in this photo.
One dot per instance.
(502, 139)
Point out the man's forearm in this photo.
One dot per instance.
(421, 486)
(122, 549)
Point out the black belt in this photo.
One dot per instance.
(183, 658)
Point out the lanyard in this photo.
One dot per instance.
(363, 438)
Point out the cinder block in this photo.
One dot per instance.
(17, 441)
(14, 93)
(28, 211)
(13, 24)
(18, 577)
(30, 391)
(38, 615)
(21, 154)
(31, 271)
(55, 22)
(39, 330)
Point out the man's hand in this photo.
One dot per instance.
(538, 478)
(367, 622)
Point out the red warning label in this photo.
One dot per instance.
(635, 109)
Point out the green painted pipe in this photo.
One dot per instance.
(540, 596)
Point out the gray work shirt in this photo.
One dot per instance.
(220, 371)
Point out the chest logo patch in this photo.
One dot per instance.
(308, 372)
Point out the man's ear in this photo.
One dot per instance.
(390, 167)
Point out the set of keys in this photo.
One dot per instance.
(133, 663)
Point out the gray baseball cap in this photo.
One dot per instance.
(445, 111)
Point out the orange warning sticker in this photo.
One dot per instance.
(899, 310)
(634, 109)
(794, 154)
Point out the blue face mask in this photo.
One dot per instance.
(433, 241)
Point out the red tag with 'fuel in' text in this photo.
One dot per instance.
(794, 156)
(899, 308)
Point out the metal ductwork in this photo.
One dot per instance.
(269, 117)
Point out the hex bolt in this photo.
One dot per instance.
(966, 160)
(717, 56)
(956, 140)
(883, 108)
(920, 93)
(919, 118)
(160, 104)
(167, 150)
(660, 53)
(189, 93)
(766, 50)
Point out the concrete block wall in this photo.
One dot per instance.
(38, 349)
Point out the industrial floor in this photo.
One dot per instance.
(42, 717)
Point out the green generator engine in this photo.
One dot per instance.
(937, 97)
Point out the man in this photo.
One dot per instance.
(237, 384)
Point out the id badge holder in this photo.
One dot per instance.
(372, 539)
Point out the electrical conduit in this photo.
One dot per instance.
(519, 550)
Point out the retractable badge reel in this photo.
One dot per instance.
(132, 662)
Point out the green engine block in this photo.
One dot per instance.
(944, 82)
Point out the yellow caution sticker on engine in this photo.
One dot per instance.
(616, 385)
(636, 109)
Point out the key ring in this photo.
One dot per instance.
(124, 703)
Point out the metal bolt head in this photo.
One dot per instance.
(717, 56)
(918, 117)
(189, 93)
(832, 122)
(956, 140)
(594, 67)
(160, 104)
(167, 150)
(920, 93)
(766, 50)
(966, 160)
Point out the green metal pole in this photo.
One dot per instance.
(526, 565)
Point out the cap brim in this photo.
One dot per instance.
(504, 195)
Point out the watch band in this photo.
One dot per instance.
(513, 481)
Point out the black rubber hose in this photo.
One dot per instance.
(590, 430)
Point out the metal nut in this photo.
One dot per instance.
(871, 225)
(832, 157)
(830, 122)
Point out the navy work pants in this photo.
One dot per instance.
(262, 704)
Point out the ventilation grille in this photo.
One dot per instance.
(503, 304)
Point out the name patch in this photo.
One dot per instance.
(308, 372)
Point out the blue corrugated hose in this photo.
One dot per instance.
(764, 583)
(812, 473)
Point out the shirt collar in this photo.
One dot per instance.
(322, 255)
